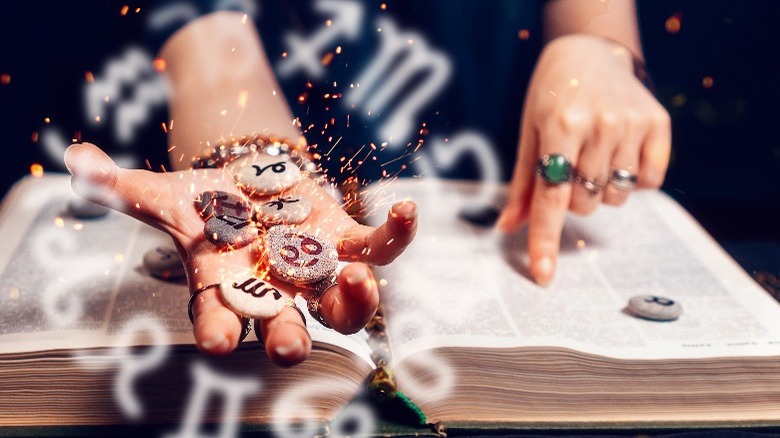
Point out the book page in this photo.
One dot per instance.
(459, 284)
(68, 283)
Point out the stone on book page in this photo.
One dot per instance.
(655, 308)
(251, 297)
(292, 209)
(261, 174)
(298, 257)
(84, 209)
(164, 262)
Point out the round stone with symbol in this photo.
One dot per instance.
(228, 218)
(219, 203)
(655, 307)
(298, 257)
(164, 262)
(229, 231)
(251, 297)
(292, 209)
(262, 174)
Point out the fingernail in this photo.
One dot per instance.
(543, 271)
(65, 158)
(217, 341)
(357, 277)
(295, 347)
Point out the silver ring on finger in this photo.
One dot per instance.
(593, 185)
(622, 179)
(313, 301)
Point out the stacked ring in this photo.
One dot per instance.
(313, 302)
(592, 185)
(622, 179)
(554, 169)
(246, 323)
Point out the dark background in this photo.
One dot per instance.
(726, 151)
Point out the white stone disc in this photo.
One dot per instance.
(260, 174)
(251, 297)
(292, 209)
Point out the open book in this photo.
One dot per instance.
(473, 340)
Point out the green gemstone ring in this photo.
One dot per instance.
(554, 169)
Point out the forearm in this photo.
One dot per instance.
(221, 84)
(613, 19)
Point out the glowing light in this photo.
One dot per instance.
(382, 282)
(328, 22)
(78, 226)
(707, 82)
(58, 222)
(574, 82)
(679, 100)
(383, 6)
(5, 78)
(523, 34)
(580, 244)
(47, 120)
(327, 58)
(36, 170)
(124, 10)
(674, 23)
(243, 96)
(223, 112)
(119, 258)
(158, 64)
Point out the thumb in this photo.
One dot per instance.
(94, 172)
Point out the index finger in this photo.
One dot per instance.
(549, 204)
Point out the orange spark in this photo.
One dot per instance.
(674, 23)
(5, 78)
(523, 34)
(124, 10)
(36, 170)
(159, 65)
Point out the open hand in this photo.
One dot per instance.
(165, 201)
(584, 103)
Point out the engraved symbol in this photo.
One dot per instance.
(253, 290)
(309, 246)
(164, 253)
(275, 167)
(659, 300)
(236, 222)
(279, 203)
